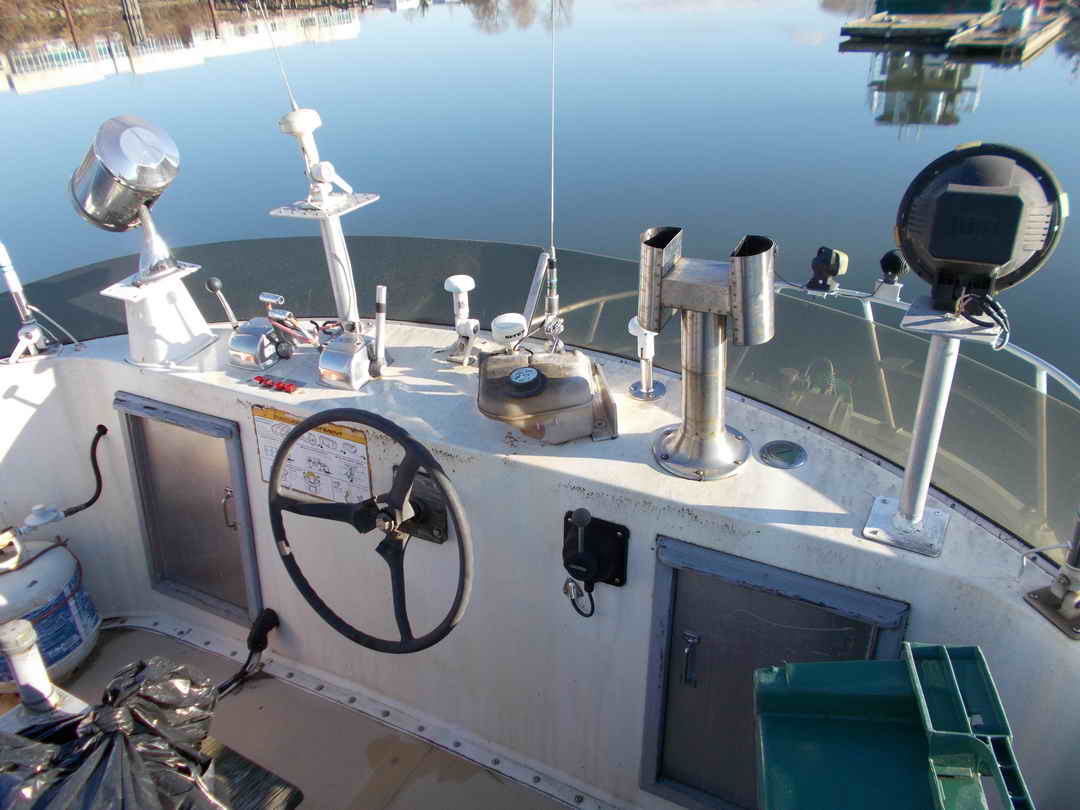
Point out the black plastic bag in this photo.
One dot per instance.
(138, 750)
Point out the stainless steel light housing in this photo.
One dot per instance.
(129, 164)
(980, 219)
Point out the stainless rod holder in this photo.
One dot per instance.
(714, 299)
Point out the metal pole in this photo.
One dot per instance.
(702, 448)
(703, 342)
(883, 383)
(926, 433)
(1074, 553)
(646, 375)
(1042, 470)
(341, 276)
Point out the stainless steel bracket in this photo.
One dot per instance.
(1044, 601)
(1060, 602)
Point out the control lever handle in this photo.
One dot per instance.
(580, 518)
(214, 285)
(380, 331)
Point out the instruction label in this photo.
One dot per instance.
(329, 462)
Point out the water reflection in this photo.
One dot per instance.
(46, 51)
(186, 38)
(1069, 47)
(911, 86)
(494, 16)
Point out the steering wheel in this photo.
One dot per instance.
(385, 512)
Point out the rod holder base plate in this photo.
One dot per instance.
(1044, 601)
(927, 539)
(658, 390)
(691, 457)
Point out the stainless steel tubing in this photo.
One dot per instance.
(646, 375)
(926, 433)
(702, 448)
(753, 276)
(661, 248)
(1073, 557)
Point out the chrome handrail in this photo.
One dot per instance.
(1042, 367)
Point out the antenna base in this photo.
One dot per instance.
(337, 205)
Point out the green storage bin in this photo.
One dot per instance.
(914, 734)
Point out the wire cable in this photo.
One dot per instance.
(237, 678)
(73, 510)
(972, 305)
(71, 337)
(579, 611)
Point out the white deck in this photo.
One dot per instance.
(520, 675)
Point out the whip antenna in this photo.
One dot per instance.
(553, 325)
(552, 137)
(281, 65)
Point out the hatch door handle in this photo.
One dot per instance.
(689, 674)
(225, 508)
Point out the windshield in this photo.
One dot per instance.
(1006, 450)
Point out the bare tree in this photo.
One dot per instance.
(493, 16)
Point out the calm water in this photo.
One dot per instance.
(725, 118)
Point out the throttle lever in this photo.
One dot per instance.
(214, 285)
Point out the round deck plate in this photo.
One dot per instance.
(783, 454)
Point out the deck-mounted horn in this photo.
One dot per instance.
(714, 299)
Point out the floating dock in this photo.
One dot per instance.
(922, 28)
(1008, 43)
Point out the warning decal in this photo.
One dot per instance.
(329, 462)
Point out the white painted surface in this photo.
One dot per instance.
(523, 672)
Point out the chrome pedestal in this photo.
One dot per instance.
(712, 298)
(702, 447)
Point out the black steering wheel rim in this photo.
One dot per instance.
(391, 548)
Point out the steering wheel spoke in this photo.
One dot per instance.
(403, 481)
(392, 549)
(342, 512)
(387, 512)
